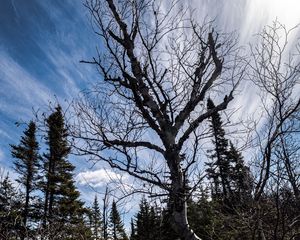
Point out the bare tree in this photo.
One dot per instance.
(276, 71)
(148, 113)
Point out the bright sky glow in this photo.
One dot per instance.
(42, 42)
(261, 12)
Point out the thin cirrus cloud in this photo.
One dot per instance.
(20, 89)
(1, 155)
(42, 42)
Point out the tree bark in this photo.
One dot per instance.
(178, 198)
(180, 221)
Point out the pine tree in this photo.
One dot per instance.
(10, 214)
(117, 231)
(58, 151)
(62, 205)
(219, 169)
(68, 206)
(26, 165)
(95, 220)
(155, 221)
(143, 227)
(147, 222)
(204, 216)
(241, 176)
(231, 178)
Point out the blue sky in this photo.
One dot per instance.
(42, 42)
(41, 45)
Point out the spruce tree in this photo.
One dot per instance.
(147, 222)
(27, 165)
(240, 175)
(219, 169)
(58, 151)
(10, 213)
(117, 231)
(68, 206)
(61, 204)
(231, 178)
(143, 227)
(204, 216)
(96, 220)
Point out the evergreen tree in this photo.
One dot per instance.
(143, 227)
(95, 220)
(26, 165)
(231, 178)
(219, 169)
(62, 205)
(202, 217)
(68, 206)
(10, 214)
(54, 160)
(241, 176)
(117, 231)
(147, 222)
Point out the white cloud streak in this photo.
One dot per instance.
(2, 156)
(19, 89)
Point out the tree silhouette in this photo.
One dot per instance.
(61, 203)
(26, 164)
(156, 79)
(117, 231)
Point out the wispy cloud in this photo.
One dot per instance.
(19, 89)
(49, 38)
(260, 13)
(4, 134)
(1, 155)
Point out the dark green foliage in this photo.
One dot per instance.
(147, 222)
(55, 163)
(210, 221)
(202, 217)
(58, 214)
(242, 181)
(95, 220)
(231, 179)
(227, 212)
(10, 211)
(69, 207)
(152, 224)
(116, 226)
(62, 206)
(219, 169)
(27, 165)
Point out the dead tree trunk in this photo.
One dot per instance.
(153, 97)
